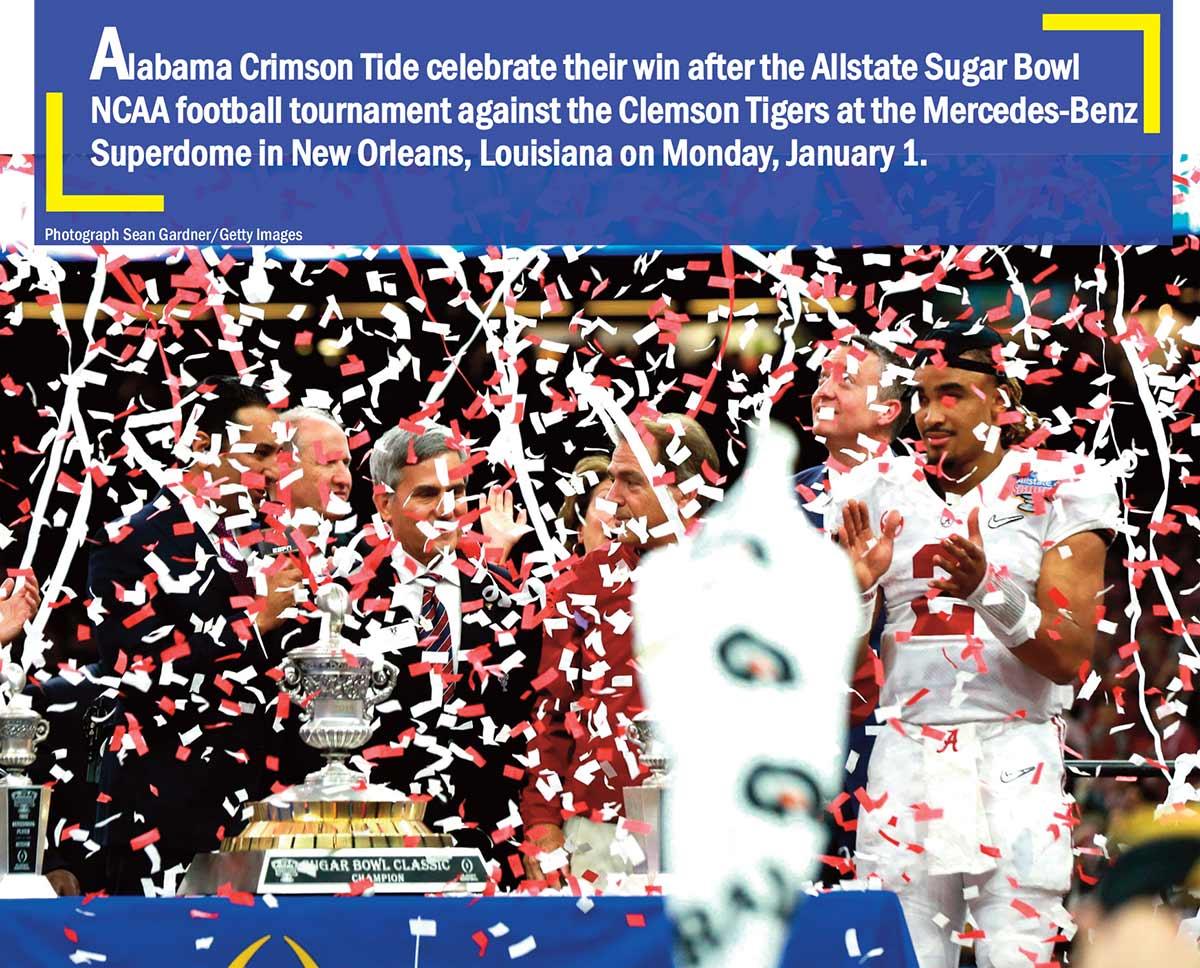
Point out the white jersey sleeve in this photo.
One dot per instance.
(870, 483)
(1085, 500)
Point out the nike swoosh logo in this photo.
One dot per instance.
(1007, 776)
(995, 522)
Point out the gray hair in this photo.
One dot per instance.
(294, 416)
(900, 387)
(390, 455)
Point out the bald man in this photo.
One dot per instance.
(314, 470)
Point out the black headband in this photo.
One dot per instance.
(975, 366)
(959, 338)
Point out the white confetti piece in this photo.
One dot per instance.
(852, 948)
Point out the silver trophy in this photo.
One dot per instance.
(337, 691)
(647, 803)
(336, 829)
(24, 806)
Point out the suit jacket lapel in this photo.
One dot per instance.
(484, 594)
(226, 584)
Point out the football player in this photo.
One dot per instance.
(989, 559)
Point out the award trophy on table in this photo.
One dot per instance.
(335, 829)
(24, 806)
(648, 803)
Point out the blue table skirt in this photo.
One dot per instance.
(421, 932)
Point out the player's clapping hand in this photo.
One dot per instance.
(964, 559)
(18, 603)
(870, 556)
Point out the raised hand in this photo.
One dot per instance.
(501, 529)
(964, 559)
(17, 606)
(870, 556)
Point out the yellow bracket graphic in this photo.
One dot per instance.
(56, 201)
(1148, 24)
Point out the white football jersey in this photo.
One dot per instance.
(942, 664)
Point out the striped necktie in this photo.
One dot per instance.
(237, 571)
(436, 626)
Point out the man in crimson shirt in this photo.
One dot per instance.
(584, 754)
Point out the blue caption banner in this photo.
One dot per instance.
(646, 124)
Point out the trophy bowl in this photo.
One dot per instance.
(21, 730)
(337, 692)
(336, 689)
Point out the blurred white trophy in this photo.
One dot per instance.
(745, 635)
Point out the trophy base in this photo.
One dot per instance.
(381, 870)
(15, 886)
(647, 804)
(336, 808)
(335, 833)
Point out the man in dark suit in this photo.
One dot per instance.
(429, 601)
(182, 606)
(860, 404)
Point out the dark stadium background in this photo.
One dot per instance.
(33, 356)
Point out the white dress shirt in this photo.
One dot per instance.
(409, 592)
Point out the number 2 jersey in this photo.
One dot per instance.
(942, 664)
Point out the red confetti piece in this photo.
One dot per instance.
(243, 898)
(144, 840)
(916, 697)
(1024, 909)
(481, 939)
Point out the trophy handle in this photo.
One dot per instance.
(383, 681)
(292, 682)
(40, 731)
(638, 734)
